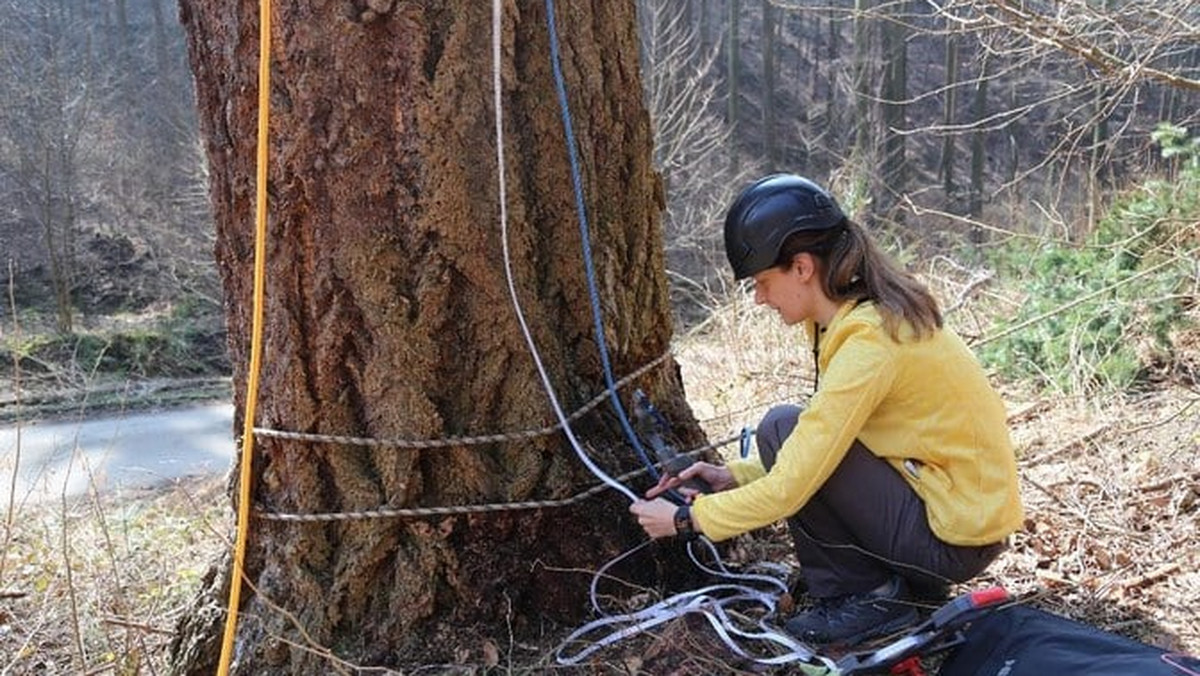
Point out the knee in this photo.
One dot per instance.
(781, 416)
(774, 427)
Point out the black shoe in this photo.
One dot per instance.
(850, 620)
(927, 590)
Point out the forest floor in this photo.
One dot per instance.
(1111, 486)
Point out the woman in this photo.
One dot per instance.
(899, 477)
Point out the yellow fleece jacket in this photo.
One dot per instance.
(927, 401)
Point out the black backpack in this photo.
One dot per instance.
(1024, 641)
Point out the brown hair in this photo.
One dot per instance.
(855, 268)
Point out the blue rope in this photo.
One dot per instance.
(597, 317)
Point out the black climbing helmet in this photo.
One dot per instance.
(769, 210)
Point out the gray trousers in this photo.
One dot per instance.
(866, 524)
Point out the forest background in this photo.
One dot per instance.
(1036, 163)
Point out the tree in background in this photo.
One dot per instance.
(950, 98)
(388, 317)
(691, 146)
(98, 157)
(51, 94)
(770, 149)
(979, 111)
(733, 76)
(864, 133)
(893, 93)
(1086, 77)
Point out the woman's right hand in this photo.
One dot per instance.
(717, 476)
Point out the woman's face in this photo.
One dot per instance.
(792, 292)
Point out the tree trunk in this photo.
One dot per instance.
(160, 40)
(733, 77)
(1098, 156)
(124, 41)
(863, 148)
(949, 106)
(770, 142)
(893, 113)
(388, 317)
(979, 140)
(60, 270)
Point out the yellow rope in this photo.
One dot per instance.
(260, 255)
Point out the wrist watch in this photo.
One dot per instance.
(683, 523)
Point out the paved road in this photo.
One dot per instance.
(116, 453)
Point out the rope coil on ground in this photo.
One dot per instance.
(715, 603)
(499, 437)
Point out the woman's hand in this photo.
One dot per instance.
(657, 517)
(717, 476)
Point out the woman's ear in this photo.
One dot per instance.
(804, 265)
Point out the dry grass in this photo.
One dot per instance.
(94, 585)
(1112, 489)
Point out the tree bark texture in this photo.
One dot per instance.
(387, 316)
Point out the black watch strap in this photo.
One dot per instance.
(683, 523)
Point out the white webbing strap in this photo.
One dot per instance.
(726, 607)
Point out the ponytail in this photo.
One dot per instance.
(855, 268)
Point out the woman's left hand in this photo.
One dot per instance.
(718, 478)
(657, 517)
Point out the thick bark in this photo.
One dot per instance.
(388, 316)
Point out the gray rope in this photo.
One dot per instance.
(447, 442)
(393, 513)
